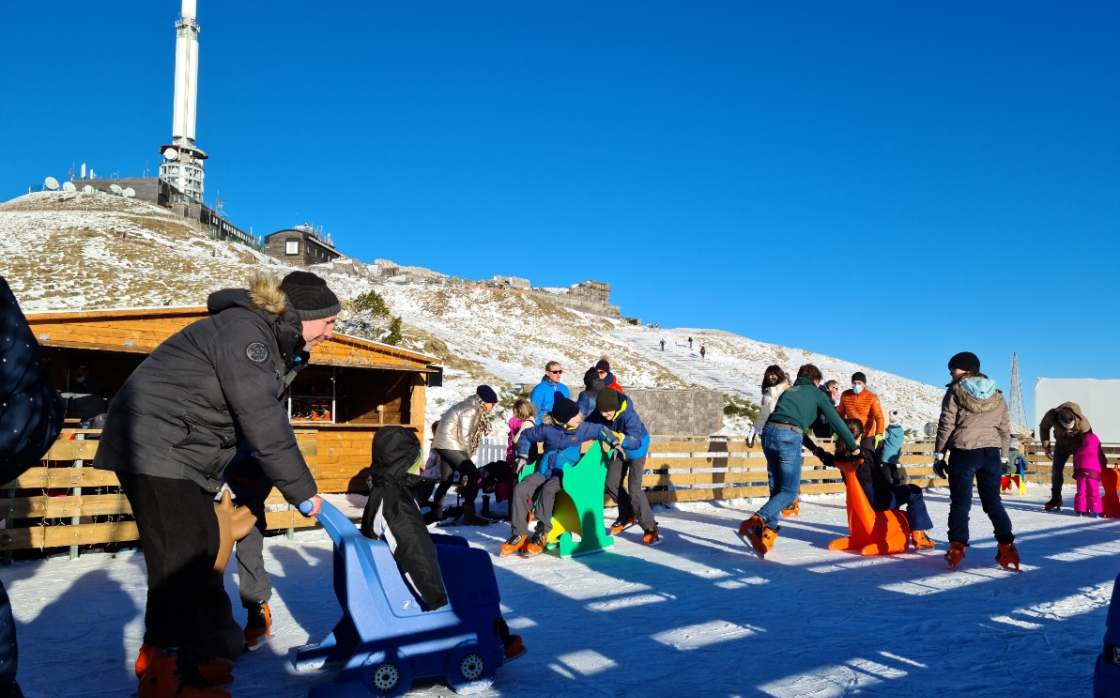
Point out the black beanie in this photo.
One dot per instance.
(608, 400)
(858, 376)
(965, 361)
(487, 394)
(310, 296)
(603, 366)
(563, 410)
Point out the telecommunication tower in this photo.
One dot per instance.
(1018, 416)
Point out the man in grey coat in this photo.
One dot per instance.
(175, 425)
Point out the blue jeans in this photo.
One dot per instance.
(983, 464)
(782, 448)
(888, 497)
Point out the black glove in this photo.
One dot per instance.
(940, 468)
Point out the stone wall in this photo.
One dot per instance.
(669, 411)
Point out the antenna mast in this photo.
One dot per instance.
(1018, 417)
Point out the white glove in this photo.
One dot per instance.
(1003, 460)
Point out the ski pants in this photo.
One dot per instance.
(888, 497)
(545, 490)
(179, 534)
(9, 653)
(632, 501)
(1088, 499)
(984, 465)
(782, 448)
(1057, 472)
(456, 467)
(250, 488)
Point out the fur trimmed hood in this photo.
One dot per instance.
(977, 393)
(266, 294)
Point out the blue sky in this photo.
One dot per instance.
(889, 183)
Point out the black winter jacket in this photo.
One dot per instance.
(216, 382)
(391, 514)
(30, 407)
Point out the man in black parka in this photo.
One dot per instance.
(175, 425)
(30, 420)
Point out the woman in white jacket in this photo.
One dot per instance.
(774, 383)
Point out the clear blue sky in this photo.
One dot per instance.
(885, 182)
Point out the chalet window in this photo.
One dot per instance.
(312, 396)
(291, 247)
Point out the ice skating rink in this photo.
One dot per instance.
(698, 615)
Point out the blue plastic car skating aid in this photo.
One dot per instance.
(386, 637)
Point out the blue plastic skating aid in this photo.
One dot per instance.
(386, 637)
(1106, 676)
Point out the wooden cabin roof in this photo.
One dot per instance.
(140, 330)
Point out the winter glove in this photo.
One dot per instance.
(939, 466)
(1003, 460)
(750, 441)
(878, 440)
(1049, 454)
(520, 466)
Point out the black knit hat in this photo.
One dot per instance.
(563, 410)
(965, 361)
(603, 366)
(310, 296)
(487, 394)
(858, 376)
(608, 400)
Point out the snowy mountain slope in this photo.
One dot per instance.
(80, 251)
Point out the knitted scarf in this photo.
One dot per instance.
(481, 426)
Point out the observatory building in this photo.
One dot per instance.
(182, 164)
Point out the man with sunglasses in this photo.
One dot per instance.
(546, 391)
(1069, 425)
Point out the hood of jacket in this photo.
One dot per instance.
(976, 392)
(265, 298)
(1079, 420)
(395, 451)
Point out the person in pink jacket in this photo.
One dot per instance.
(1087, 464)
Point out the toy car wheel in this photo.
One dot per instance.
(472, 666)
(390, 678)
(386, 677)
(470, 670)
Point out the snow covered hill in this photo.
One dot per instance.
(82, 251)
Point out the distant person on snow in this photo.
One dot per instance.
(29, 425)
(974, 433)
(703, 351)
(608, 378)
(548, 389)
(1069, 424)
(774, 383)
(862, 404)
(663, 345)
(690, 343)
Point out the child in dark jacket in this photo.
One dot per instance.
(884, 489)
(391, 514)
(560, 441)
(616, 412)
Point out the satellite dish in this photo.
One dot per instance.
(171, 153)
(51, 183)
(129, 193)
(116, 189)
(69, 186)
(87, 189)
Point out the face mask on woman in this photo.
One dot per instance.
(772, 379)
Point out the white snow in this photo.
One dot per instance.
(698, 615)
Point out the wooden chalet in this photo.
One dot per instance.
(351, 388)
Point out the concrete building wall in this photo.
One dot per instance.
(668, 411)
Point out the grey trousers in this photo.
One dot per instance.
(251, 488)
(1057, 474)
(545, 490)
(631, 501)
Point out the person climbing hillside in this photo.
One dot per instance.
(782, 440)
(974, 433)
(862, 404)
(1069, 424)
(703, 351)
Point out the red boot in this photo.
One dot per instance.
(258, 626)
(955, 555)
(1007, 556)
(216, 670)
(163, 679)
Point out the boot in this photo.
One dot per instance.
(535, 545)
(1007, 556)
(652, 537)
(1055, 503)
(163, 678)
(258, 628)
(216, 670)
(761, 538)
(620, 524)
(514, 648)
(470, 518)
(515, 544)
(793, 509)
(921, 540)
(955, 555)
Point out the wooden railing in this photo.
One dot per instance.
(1040, 467)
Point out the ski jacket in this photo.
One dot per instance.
(218, 381)
(31, 418)
(391, 514)
(769, 399)
(88, 398)
(592, 384)
(1066, 440)
(557, 444)
(1089, 459)
(516, 426)
(973, 415)
(611, 381)
(892, 444)
(866, 408)
(801, 404)
(545, 394)
(874, 473)
(458, 425)
(821, 428)
(635, 436)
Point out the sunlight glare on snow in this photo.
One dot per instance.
(836, 680)
(586, 662)
(949, 581)
(693, 637)
(629, 602)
